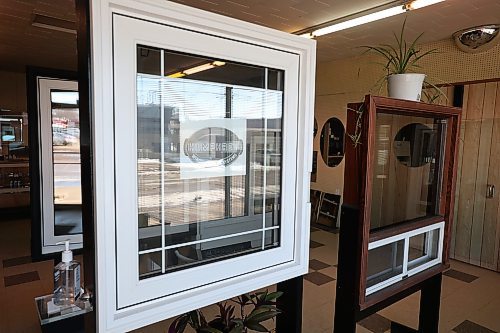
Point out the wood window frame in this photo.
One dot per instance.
(359, 175)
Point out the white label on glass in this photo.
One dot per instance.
(213, 148)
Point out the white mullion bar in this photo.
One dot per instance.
(208, 240)
(264, 185)
(272, 228)
(405, 254)
(203, 241)
(162, 158)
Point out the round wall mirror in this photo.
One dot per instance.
(332, 142)
(415, 145)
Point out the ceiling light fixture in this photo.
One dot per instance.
(417, 4)
(196, 69)
(360, 20)
(53, 23)
(374, 14)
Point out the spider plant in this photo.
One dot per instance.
(262, 305)
(403, 57)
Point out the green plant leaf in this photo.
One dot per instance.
(274, 295)
(179, 324)
(256, 327)
(195, 323)
(257, 311)
(210, 330)
(260, 317)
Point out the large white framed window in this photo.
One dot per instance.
(203, 131)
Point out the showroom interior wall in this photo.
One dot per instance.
(345, 81)
(13, 94)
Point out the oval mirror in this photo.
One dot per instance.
(415, 145)
(332, 142)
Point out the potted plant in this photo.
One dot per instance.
(261, 307)
(401, 64)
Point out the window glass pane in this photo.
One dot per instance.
(407, 168)
(384, 262)
(209, 149)
(149, 264)
(66, 162)
(423, 248)
(206, 252)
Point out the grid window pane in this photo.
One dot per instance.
(209, 150)
(384, 263)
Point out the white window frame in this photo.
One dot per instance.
(406, 246)
(46, 166)
(118, 312)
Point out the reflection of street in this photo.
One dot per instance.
(198, 200)
(67, 181)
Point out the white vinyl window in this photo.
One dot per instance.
(59, 151)
(392, 259)
(203, 151)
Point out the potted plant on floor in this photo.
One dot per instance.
(401, 65)
(254, 309)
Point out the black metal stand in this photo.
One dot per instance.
(290, 321)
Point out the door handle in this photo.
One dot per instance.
(490, 191)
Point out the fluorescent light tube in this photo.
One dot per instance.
(198, 69)
(417, 4)
(400, 9)
(176, 75)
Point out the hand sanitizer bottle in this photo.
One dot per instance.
(66, 279)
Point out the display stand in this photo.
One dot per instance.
(61, 319)
(398, 209)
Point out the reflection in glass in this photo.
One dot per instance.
(66, 162)
(415, 145)
(423, 248)
(332, 142)
(209, 150)
(407, 168)
(384, 263)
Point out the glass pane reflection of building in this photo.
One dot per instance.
(209, 154)
(66, 163)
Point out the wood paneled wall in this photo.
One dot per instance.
(476, 235)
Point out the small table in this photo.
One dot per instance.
(55, 318)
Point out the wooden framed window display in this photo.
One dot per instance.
(203, 136)
(400, 175)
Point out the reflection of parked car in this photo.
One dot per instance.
(63, 139)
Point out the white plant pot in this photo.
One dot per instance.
(405, 86)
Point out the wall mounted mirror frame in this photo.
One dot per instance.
(54, 161)
(419, 230)
(332, 142)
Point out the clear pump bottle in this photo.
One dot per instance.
(66, 279)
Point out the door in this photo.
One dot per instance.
(477, 224)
